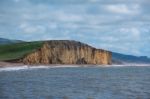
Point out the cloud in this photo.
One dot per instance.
(16, 0)
(93, 1)
(62, 16)
(27, 28)
(135, 32)
(132, 32)
(123, 9)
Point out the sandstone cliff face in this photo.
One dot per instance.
(67, 52)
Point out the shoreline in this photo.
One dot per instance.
(26, 67)
(50, 67)
(7, 66)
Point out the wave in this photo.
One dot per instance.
(14, 68)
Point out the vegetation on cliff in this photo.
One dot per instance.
(18, 50)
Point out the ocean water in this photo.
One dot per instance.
(76, 83)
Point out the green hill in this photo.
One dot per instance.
(18, 50)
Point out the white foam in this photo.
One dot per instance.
(13, 68)
(25, 67)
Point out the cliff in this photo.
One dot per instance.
(67, 52)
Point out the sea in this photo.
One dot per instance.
(114, 82)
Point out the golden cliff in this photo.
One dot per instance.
(67, 52)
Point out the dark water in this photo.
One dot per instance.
(76, 83)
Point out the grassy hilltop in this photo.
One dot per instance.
(18, 50)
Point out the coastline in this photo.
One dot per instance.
(7, 66)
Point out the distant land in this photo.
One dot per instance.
(9, 41)
(62, 52)
(118, 58)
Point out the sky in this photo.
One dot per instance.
(117, 25)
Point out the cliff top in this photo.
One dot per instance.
(66, 43)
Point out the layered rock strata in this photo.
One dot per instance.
(67, 52)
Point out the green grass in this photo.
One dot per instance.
(16, 51)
